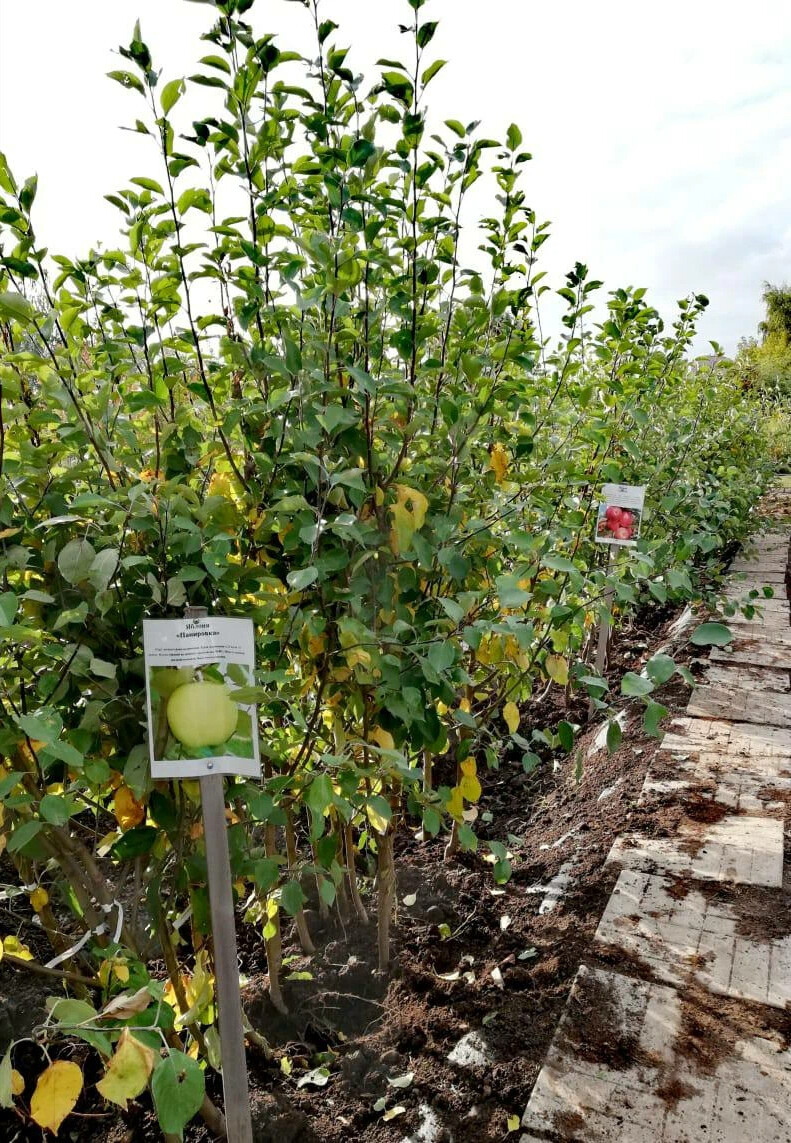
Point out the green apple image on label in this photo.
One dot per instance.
(165, 680)
(202, 714)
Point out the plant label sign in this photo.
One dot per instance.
(620, 514)
(195, 725)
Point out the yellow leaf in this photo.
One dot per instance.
(409, 515)
(455, 804)
(557, 668)
(127, 1072)
(128, 811)
(383, 738)
(357, 657)
(511, 716)
(17, 1082)
(402, 529)
(317, 644)
(377, 820)
(285, 1065)
(121, 970)
(12, 946)
(417, 501)
(469, 784)
(512, 1123)
(498, 462)
(220, 485)
(39, 899)
(56, 1094)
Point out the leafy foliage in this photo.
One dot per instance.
(284, 394)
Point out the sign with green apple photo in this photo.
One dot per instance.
(198, 672)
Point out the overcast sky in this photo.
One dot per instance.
(661, 134)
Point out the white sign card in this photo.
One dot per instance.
(620, 514)
(195, 727)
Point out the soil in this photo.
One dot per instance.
(369, 1029)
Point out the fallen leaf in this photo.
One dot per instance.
(410, 899)
(393, 1113)
(402, 1081)
(57, 1091)
(512, 1123)
(317, 1078)
(505, 921)
(497, 977)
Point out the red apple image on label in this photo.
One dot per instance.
(202, 714)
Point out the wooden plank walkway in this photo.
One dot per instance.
(679, 1030)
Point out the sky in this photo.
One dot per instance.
(660, 134)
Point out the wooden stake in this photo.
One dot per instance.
(226, 964)
(604, 626)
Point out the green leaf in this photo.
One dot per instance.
(712, 635)
(360, 152)
(43, 727)
(425, 33)
(14, 307)
(171, 94)
(6, 1093)
(128, 80)
(70, 1014)
(147, 184)
(654, 713)
(566, 735)
(23, 835)
(319, 795)
(292, 898)
(432, 70)
(614, 736)
(514, 137)
(660, 668)
(55, 809)
(8, 608)
(635, 685)
(178, 1087)
(303, 578)
(76, 560)
(134, 843)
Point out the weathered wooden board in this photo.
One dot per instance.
(620, 1045)
(750, 678)
(741, 704)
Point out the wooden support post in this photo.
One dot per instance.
(226, 966)
(604, 626)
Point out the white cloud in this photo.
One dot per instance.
(659, 133)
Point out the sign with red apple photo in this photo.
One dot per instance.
(198, 674)
(620, 514)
